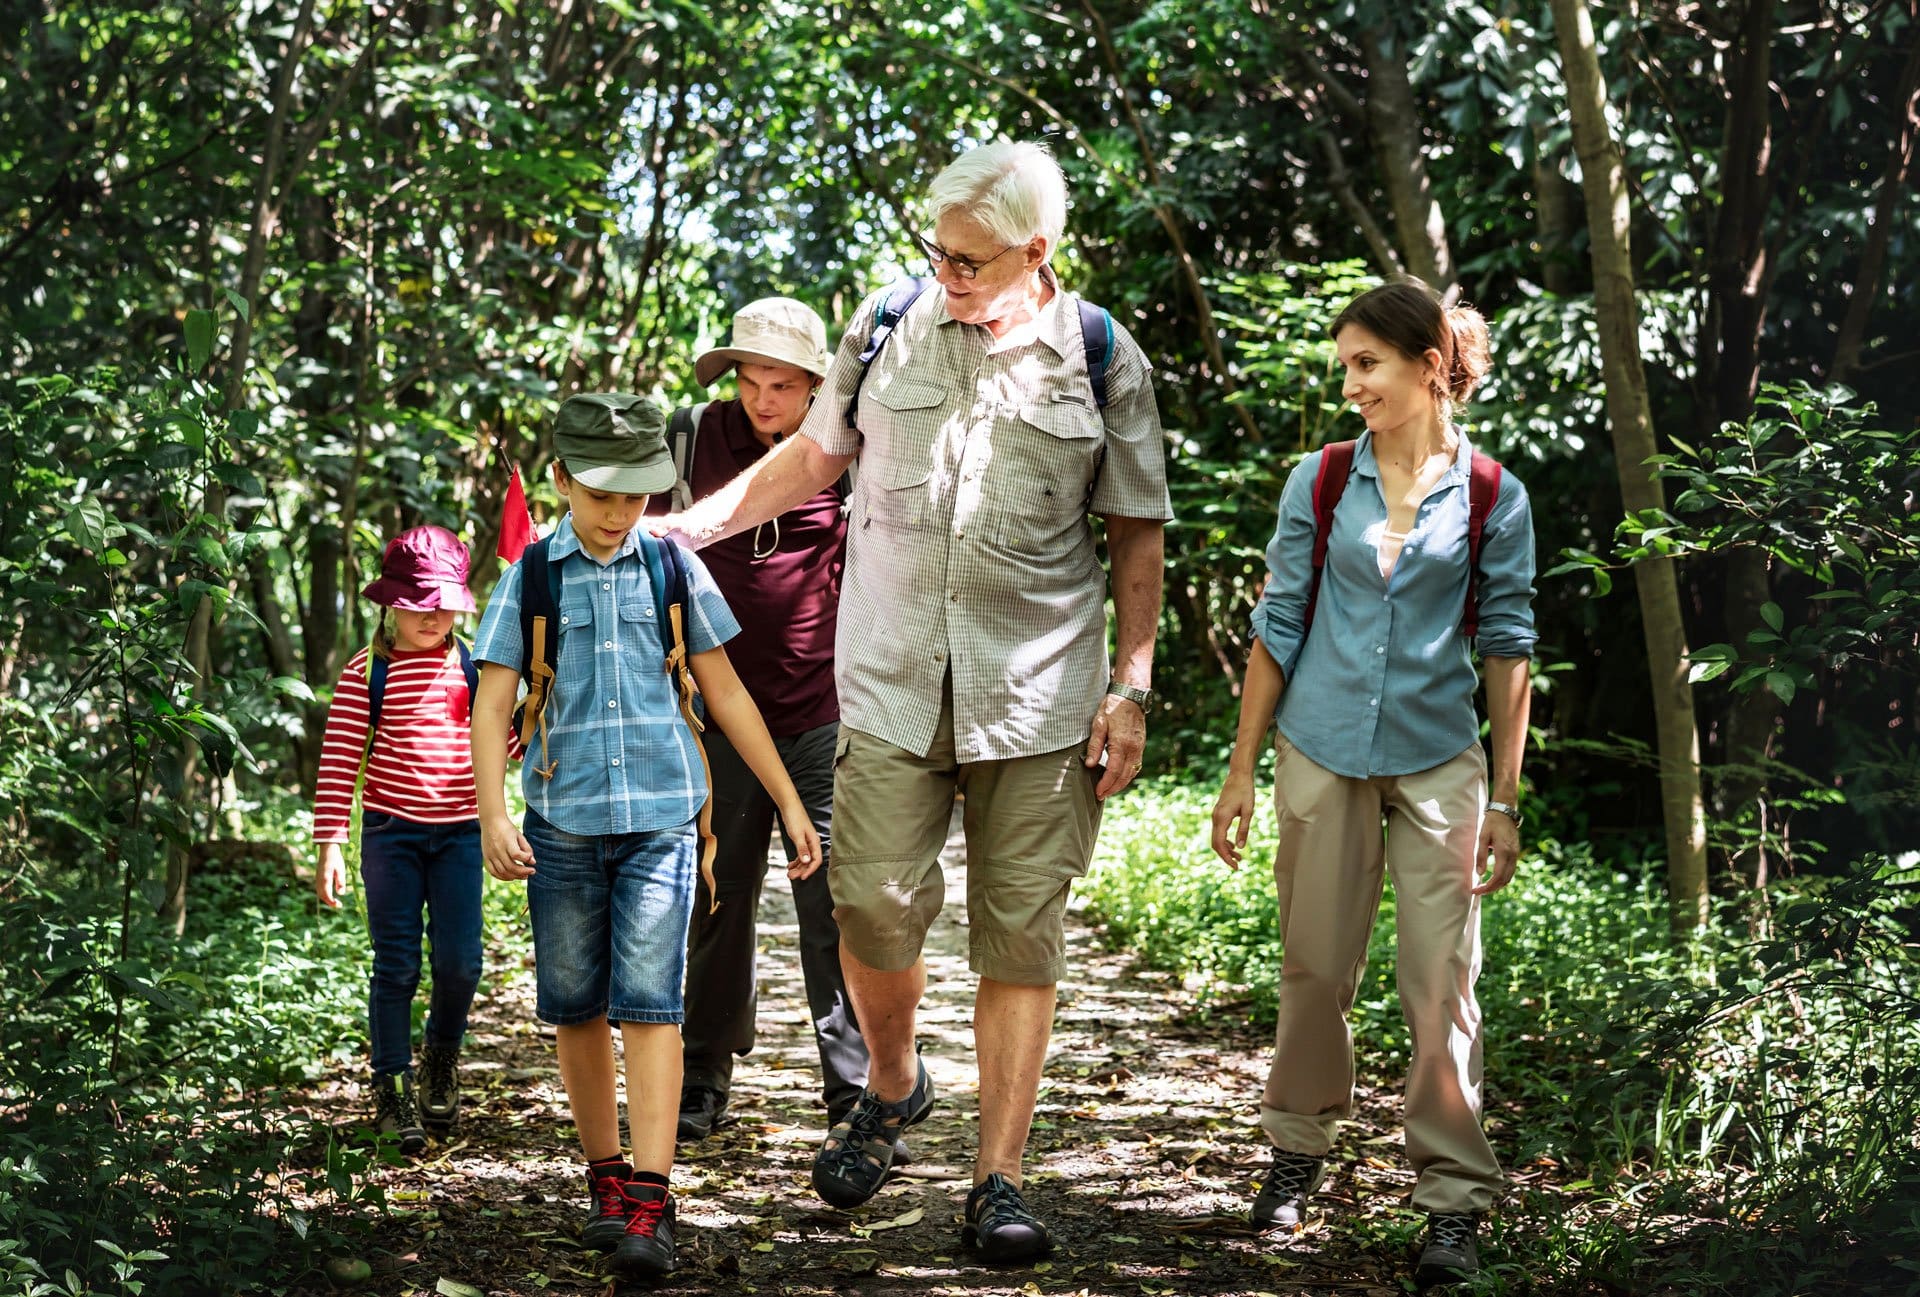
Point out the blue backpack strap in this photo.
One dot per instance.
(539, 619)
(377, 667)
(470, 669)
(1096, 337)
(892, 307)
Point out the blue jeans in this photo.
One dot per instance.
(404, 866)
(609, 919)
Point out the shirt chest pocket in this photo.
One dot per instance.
(576, 634)
(1044, 465)
(900, 427)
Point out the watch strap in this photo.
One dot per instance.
(1507, 809)
(1132, 693)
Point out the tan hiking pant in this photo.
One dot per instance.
(1328, 873)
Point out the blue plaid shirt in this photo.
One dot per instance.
(626, 761)
(1383, 681)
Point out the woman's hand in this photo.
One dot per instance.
(330, 875)
(805, 839)
(1500, 839)
(1235, 808)
(508, 855)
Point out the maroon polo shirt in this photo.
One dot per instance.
(788, 600)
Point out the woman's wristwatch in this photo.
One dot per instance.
(1507, 809)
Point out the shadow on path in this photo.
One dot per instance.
(1143, 1160)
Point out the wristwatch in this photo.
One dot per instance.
(1510, 811)
(1132, 693)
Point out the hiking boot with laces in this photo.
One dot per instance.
(1290, 1182)
(1001, 1225)
(701, 1110)
(439, 1087)
(395, 1114)
(606, 1206)
(646, 1250)
(853, 1163)
(1450, 1254)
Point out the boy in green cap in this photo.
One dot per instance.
(609, 848)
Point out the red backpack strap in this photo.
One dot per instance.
(1329, 484)
(1482, 490)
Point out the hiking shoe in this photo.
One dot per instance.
(859, 1151)
(439, 1087)
(700, 1112)
(902, 1154)
(1000, 1224)
(1290, 1182)
(395, 1113)
(646, 1250)
(606, 1206)
(1450, 1255)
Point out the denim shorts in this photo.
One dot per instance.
(610, 922)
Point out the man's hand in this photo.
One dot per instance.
(1120, 732)
(1499, 838)
(508, 856)
(330, 875)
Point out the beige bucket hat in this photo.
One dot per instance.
(771, 331)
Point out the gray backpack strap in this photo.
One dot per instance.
(683, 429)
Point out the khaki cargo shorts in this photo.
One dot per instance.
(1030, 825)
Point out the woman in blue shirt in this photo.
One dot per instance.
(1370, 679)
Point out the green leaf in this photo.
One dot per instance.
(1602, 581)
(1771, 615)
(239, 303)
(1781, 685)
(199, 338)
(87, 523)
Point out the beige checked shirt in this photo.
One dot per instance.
(969, 550)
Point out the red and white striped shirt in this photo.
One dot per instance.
(421, 767)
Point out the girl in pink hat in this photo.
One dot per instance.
(401, 714)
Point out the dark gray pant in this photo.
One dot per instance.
(721, 947)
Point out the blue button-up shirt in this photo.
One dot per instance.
(625, 759)
(1383, 681)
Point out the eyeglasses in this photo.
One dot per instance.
(938, 256)
(759, 533)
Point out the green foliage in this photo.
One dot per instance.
(1718, 1099)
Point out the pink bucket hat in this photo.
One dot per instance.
(424, 570)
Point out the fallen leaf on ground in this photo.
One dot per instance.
(913, 1217)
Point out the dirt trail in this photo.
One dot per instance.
(1143, 1159)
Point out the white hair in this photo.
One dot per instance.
(1015, 190)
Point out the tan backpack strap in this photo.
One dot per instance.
(678, 668)
(533, 717)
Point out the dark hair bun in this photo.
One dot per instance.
(1472, 351)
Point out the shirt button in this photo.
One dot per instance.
(939, 657)
(606, 585)
(1377, 648)
(960, 533)
(954, 597)
(616, 761)
(649, 612)
(565, 620)
(1373, 702)
(613, 702)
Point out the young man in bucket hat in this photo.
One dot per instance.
(784, 578)
(610, 846)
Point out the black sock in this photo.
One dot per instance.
(649, 1177)
(614, 1166)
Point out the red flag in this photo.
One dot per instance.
(516, 524)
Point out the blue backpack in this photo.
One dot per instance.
(1096, 338)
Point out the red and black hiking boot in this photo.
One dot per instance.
(647, 1250)
(606, 1205)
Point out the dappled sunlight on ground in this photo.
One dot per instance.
(1144, 1159)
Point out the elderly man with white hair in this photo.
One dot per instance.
(991, 419)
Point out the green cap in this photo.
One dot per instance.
(614, 441)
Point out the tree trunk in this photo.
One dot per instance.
(1631, 419)
(1873, 258)
(1395, 124)
(1556, 216)
(1740, 271)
